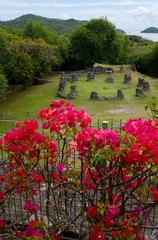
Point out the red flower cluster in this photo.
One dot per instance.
(56, 116)
(113, 168)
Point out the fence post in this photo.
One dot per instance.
(105, 124)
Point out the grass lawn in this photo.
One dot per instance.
(37, 97)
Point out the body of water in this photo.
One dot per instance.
(150, 36)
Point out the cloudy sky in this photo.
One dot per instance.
(130, 14)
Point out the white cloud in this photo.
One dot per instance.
(20, 4)
(145, 16)
(64, 16)
(139, 11)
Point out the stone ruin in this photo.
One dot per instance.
(121, 69)
(97, 70)
(73, 78)
(90, 76)
(71, 95)
(120, 94)
(62, 83)
(62, 86)
(127, 78)
(109, 70)
(140, 92)
(143, 86)
(94, 96)
(146, 86)
(100, 69)
(109, 79)
(73, 92)
(140, 82)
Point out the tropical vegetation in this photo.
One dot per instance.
(33, 50)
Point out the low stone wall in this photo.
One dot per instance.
(94, 96)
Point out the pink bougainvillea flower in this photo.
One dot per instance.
(81, 114)
(154, 193)
(138, 210)
(114, 234)
(91, 211)
(73, 145)
(107, 222)
(2, 178)
(113, 211)
(99, 235)
(29, 231)
(54, 176)
(10, 165)
(1, 223)
(17, 124)
(85, 122)
(51, 162)
(35, 192)
(60, 167)
(32, 223)
(38, 233)
(29, 206)
(37, 178)
(57, 104)
(45, 125)
(1, 195)
(20, 234)
(52, 146)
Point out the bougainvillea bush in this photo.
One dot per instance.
(109, 195)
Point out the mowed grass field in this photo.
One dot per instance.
(37, 97)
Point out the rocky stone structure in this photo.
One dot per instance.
(146, 86)
(140, 92)
(73, 92)
(109, 70)
(97, 70)
(109, 79)
(120, 94)
(62, 83)
(121, 69)
(74, 78)
(71, 95)
(127, 78)
(94, 96)
(140, 82)
(90, 76)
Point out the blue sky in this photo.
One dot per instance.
(131, 14)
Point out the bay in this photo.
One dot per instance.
(150, 36)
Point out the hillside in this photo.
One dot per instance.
(57, 25)
(150, 30)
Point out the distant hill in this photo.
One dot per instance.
(120, 31)
(57, 25)
(150, 30)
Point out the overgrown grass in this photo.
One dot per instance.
(37, 97)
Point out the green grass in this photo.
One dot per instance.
(37, 97)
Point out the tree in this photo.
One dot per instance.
(98, 41)
(34, 31)
(3, 47)
(3, 84)
(154, 62)
(30, 58)
(21, 69)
